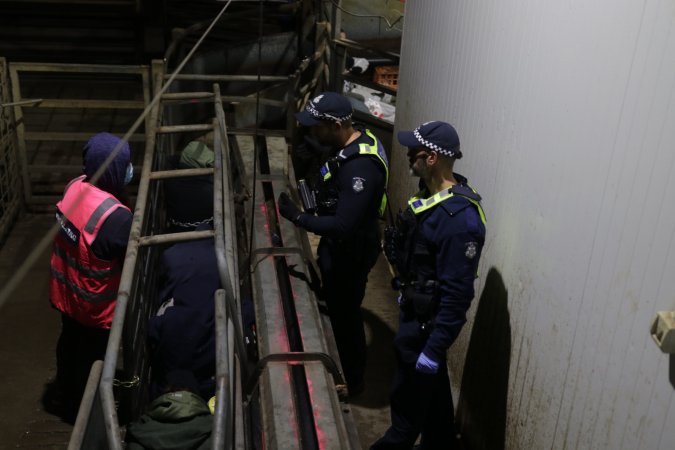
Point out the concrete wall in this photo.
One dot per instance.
(566, 113)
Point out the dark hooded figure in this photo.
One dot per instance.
(86, 265)
(189, 200)
(182, 334)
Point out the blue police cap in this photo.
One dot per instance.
(325, 106)
(439, 136)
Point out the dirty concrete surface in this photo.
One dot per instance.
(29, 329)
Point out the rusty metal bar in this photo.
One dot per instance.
(20, 130)
(231, 360)
(79, 68)
(186, 95)
(25, 102)
(224, 388)
(184, 128)
(90, 104)
(179, 173)
(171, 238)
(263, 101)
(69, 136)
(76, 168)
(87, 406)
(229, 234)
(10, 199)
(195, 77)
(110, 363)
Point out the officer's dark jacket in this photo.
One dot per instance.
(447, 248)
(359, 183)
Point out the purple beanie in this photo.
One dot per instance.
(95, 152)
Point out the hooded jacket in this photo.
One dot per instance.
(189, 200)
(86, 260)
(175, 421)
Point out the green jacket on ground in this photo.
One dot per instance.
(175, 421)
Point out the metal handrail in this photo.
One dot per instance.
(112, 350)
(229, 328)
(228, 324)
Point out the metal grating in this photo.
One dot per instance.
(10, 202)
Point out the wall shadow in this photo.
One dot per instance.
(481, 409)
(380, 363)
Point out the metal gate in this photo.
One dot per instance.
(10, 200)
(58, 107)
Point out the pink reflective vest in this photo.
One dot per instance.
(83, 286)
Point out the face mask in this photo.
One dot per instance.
(129, 175)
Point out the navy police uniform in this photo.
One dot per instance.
(435, 248)
(350, 199)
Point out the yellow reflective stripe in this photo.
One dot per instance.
(325, 171)
(419, 205)
(480, 210)
(383, 204)
(365, 149)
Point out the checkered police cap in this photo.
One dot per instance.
(325, 106)
(438, 136)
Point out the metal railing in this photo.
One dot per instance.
(10, 197)
(50, 153)
(311, 365)
(137, 295)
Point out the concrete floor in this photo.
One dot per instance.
(371, 408)
(29, 329)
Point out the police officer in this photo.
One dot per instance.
(350, 199)
(435, 248)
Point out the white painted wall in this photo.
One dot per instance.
(566, 113)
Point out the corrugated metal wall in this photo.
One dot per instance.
(566, 112)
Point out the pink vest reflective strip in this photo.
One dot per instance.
(83, 286)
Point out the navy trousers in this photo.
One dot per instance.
(421, 404)
(344, 273)
(77, 349)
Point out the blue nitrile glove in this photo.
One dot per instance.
(426, 365)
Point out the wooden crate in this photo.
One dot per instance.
(386, 76)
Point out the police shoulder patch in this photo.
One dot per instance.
(358, 184)
(471, 250)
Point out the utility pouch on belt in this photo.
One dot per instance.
(389, 245)
(307, 196)
(422, 302)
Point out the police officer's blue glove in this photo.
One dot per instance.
(426, 365)
(288, 209)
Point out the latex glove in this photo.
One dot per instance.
(287, 208)
(426, 365)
